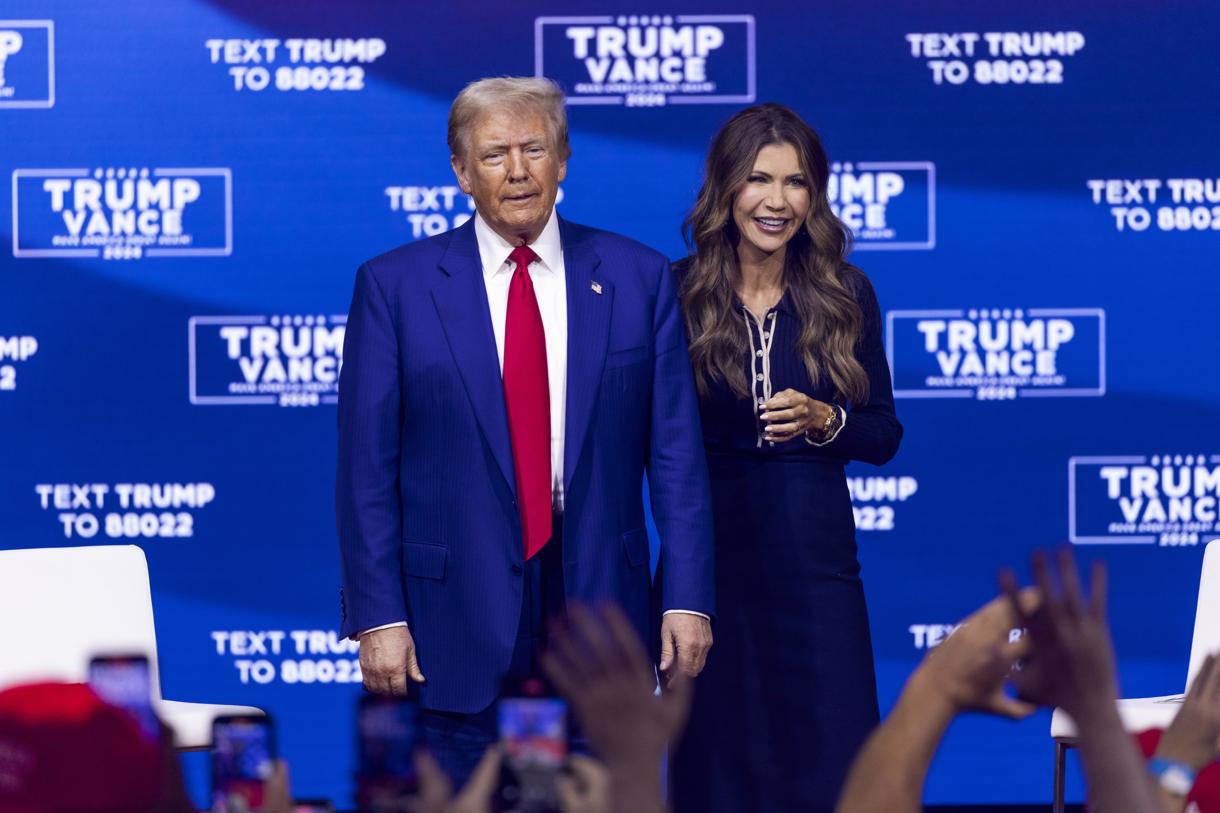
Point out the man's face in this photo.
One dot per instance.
(512, 169)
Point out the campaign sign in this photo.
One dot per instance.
(1168, 500)
(886, 204)
(997, 353)
(27, 63)
(124, 213)
(290, 360)
(648, 60)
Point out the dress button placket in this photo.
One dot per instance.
(764, 337)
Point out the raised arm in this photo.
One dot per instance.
(1071, 665)
(965, 673)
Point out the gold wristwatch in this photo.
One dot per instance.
(833, 421)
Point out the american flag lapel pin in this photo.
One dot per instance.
(597, 287)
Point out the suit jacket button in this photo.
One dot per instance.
(516, 570)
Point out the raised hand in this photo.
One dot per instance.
(586, 788)
(965, 673)
(1071, 664)
(1071, 660)
(970, 668)
(601, 667)
(436, 791)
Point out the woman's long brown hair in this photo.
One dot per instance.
(816, 275)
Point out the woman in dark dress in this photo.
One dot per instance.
(785, 340)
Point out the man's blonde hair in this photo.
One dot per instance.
(530, 93)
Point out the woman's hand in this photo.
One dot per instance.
(790, 414)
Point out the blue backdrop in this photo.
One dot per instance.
(1034, 193)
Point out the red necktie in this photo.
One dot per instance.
(528, 398)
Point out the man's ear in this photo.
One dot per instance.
(563, 170)
(459, 171)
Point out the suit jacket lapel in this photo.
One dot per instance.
(590, 299)
(461, 300)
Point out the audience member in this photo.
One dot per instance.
(586, 789)
(436, 790)
(966, 672)
(1066, 659)
(600, 665)
(62, 750)
(1185, 754)
(1071, 665)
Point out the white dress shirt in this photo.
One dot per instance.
(551, 290)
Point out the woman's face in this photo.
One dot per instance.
(771, 206)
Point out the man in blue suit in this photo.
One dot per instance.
(505, 388)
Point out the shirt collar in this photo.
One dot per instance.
(494, 249)
(784, 305)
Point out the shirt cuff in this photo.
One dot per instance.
(704, 616)
(842, 423)
(362, 633)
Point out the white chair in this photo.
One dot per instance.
(61, 606)
(1154, 712)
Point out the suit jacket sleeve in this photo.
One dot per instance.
(872, 432)
(677, 467)
(368, 506)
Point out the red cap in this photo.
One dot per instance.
(62, 750)
(1206, 791)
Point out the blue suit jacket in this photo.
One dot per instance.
(428, 526)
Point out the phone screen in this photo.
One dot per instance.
(125, 681)
(389, 735)
(242, 755)
(534, 732)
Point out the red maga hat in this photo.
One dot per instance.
(62, 750)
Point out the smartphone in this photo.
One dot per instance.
(125, 681)
(388, 734)
(243, 751)
(533, 725)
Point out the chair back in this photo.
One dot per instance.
(1207, 613)
(61, 606)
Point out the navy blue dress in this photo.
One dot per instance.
(789, 694)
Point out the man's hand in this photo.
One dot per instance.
(1071, 660)
(387, 659)
(685, 641)
(1194, 735)
(970, 668)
